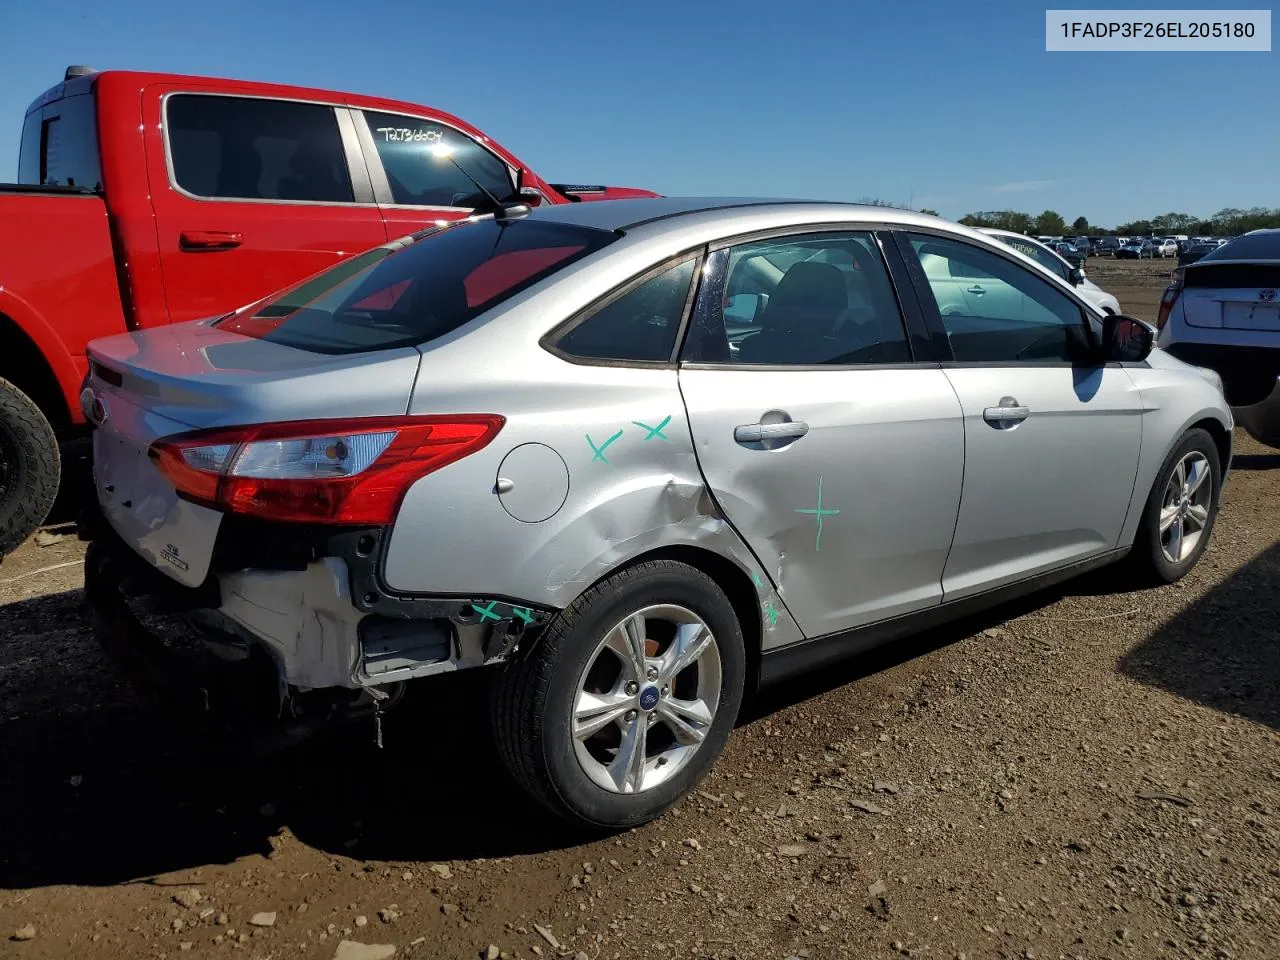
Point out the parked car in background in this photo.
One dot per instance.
(1106, 247)
(1067, 251)
(1194, 252)
(320, 486)
(1222, 311)
(1168, 247)
(1059, 266)
(1084, 245)
(1137, 249)
(146, 199)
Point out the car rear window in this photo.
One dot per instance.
(1256, 246)
(387, 298)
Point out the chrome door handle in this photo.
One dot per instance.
(757, 432)
(976, 290)
(1008, 413)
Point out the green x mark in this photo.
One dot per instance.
(524, 613)
(599, 451)
(771, 612)
(654, 431)
(486, 612)
(820, 513)
(755, 578)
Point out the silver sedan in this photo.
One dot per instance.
(643, 457)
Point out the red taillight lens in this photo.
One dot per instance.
(1169, 298)
(318, 471)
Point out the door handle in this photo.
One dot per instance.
(1008, 414)
(758, 432)
(976, 290)
(207, 240)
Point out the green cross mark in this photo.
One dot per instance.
(819, 512)
(486, 612)
(599, 451)
(524, 613)
(755, 578)
(654, 431)
(771, 612)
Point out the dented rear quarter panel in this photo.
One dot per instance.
(626, 483)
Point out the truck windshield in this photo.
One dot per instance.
(386, 298)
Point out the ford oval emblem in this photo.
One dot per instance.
(648, 698)
(93, 407)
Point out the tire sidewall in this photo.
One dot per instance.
(26, 437)
(1199, 441)
(588, 801)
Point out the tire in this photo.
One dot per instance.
(1151, 558)
(29, 467)
(537, 695)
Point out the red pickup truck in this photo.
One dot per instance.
(146, 199)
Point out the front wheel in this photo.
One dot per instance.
(623, 704)
(29, 467)
(1180, 511)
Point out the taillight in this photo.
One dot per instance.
(318, 471)
(1169, 298)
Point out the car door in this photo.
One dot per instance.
(255, 194)
(426, 172)
(1051, 436)
(836, 457)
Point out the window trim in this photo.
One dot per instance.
(550, 341)
(873, 229)
(929, 304)
(377, 171)
(357, 174)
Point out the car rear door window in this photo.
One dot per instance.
(256, 149)
(1002, 312)
(813, 299)
(430, 164)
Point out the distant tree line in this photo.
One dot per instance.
(1227, 222)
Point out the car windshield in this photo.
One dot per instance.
(387, 298)
(1256, 246)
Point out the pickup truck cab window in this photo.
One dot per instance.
(248, 148)
(429, 164)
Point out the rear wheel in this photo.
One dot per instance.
(29, 467)
(1180, 511)
(621, 707)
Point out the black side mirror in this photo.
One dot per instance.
(1126, 339)
(1076, 276)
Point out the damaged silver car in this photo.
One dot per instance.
(641, 457)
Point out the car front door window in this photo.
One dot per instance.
(430, 164)
(1008, 314)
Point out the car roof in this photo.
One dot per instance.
(628, 214)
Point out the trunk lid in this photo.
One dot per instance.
(1232, 295)
(170, 380)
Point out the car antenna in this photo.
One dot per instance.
(503, 211)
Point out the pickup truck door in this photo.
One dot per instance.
(426, 171)
(251, 194)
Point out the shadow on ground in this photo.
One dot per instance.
(1223, 651)
(101, 786)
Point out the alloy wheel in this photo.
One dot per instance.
(1184, 509)
(647, 698)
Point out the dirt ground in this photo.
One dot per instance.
(1094, 772)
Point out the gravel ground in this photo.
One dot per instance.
(1093, 772)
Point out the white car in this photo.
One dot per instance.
(1059, 267)
(1168, 247)
(1223, 312)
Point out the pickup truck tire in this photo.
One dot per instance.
(29, 467)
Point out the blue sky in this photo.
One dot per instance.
(954, 105)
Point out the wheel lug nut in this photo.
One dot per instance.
(631, 716)
(632, 687)
(665, 691)
(652, 673)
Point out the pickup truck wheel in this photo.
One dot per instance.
(623, 704)
(29, 467)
